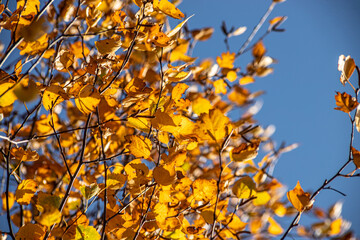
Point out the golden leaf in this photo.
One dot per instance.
(9, 97)
(168, 8)
(226, 60)
(201, 105)
(49, 216)
(220, 86)
(345, 102)
(88, 99)
(274, 228)
(52, 96)
(246, 80)
(25, 191)
(139, 146)
(204, 189)
(178, 91)
(299, 199)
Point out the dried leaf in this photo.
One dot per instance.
(31, 231)
(345, 102)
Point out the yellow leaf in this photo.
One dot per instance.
(201, 105)
(239, 95)
(168, 8)
(24, 155)
(88, 99)
(231, 75)
(236, 224)
(261, 198)
(244, 187)
(86, 232)
(274, 228)
(49, 216)
(178, 90)
(246, 80)
(215, 124)
(11, 200)
(204, 189)
(139, 146)
(9, 97)
(31, 231)
(108, 46)
(345, 102)
(52, 96)
(220, 86)
(335, 227)
(226, 60)
(299, 199)
(173, 32)
(25, 191)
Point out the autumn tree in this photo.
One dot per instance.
(111, 129)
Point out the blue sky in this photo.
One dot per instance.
(299, 97)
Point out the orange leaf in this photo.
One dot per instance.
(108, 46)
(259, 50)
(24, 155)
(299, 199)
(165, 175)
(345, 102)
(220, 86)
(226, 60)
(25, 191)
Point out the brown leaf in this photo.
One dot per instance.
(345, 102)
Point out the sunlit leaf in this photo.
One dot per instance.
(168, 8)
(52, 96)
(25, 191)
(299, 199)
(274, 227)
(246, 151)
(204, 190)
(108, 46)
(89, 191)
(88, 99)
(139, 146)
